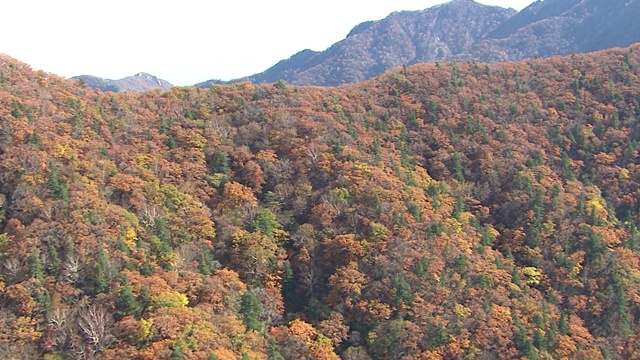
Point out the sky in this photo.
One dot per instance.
(186, 41)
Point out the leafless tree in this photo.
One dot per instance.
(314, 151)
(186, 255)
(71, 269)
(59, 327)
(12, 266)
(95, 323)
(149, 215)
(356, 353)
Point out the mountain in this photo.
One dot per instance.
(402, 38)
(462, 30)
(136, 83)
(561, 27)
(457, 210)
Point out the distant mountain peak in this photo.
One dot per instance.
(139, 82)
(460, 2)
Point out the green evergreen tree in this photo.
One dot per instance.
(458, 207)
(434, 191)
(515, 275)
(567, 173)
(289, 287)
(273, 350)
(422, 266)
(218, 163)
(144, 298)
(594, 247)
(267, 223)
(171, 142)
(376, 149)
(457, 167)
(619, 310)
(43, 298)
(581, 206)
(54, 264)
(36, 267)
(102, 271)
(402, 291)
(414, 210)
(251, 309)
(205, 263)
(551, 334)
(535, 228)
(177, 354)
(521, 340)
(126, 303)
(57, 188)
(633, 242)
(377, 204)
(438, 336)
(487, 238)
(539, 340)
(563, 327)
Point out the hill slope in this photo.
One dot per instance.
(135, 83)
(547, 28)
(462, 29)
(457, 210)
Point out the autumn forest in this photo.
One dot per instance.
(454, 210)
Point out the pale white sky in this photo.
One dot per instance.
(182, 41)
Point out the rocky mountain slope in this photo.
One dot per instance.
(561, 27)
(462, 29)
(136, 83)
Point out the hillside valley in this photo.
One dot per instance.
(454, 210)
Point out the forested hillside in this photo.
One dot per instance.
(454, 210)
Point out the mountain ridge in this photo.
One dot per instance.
(461, 30)
(350, 60)
(135, 83)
